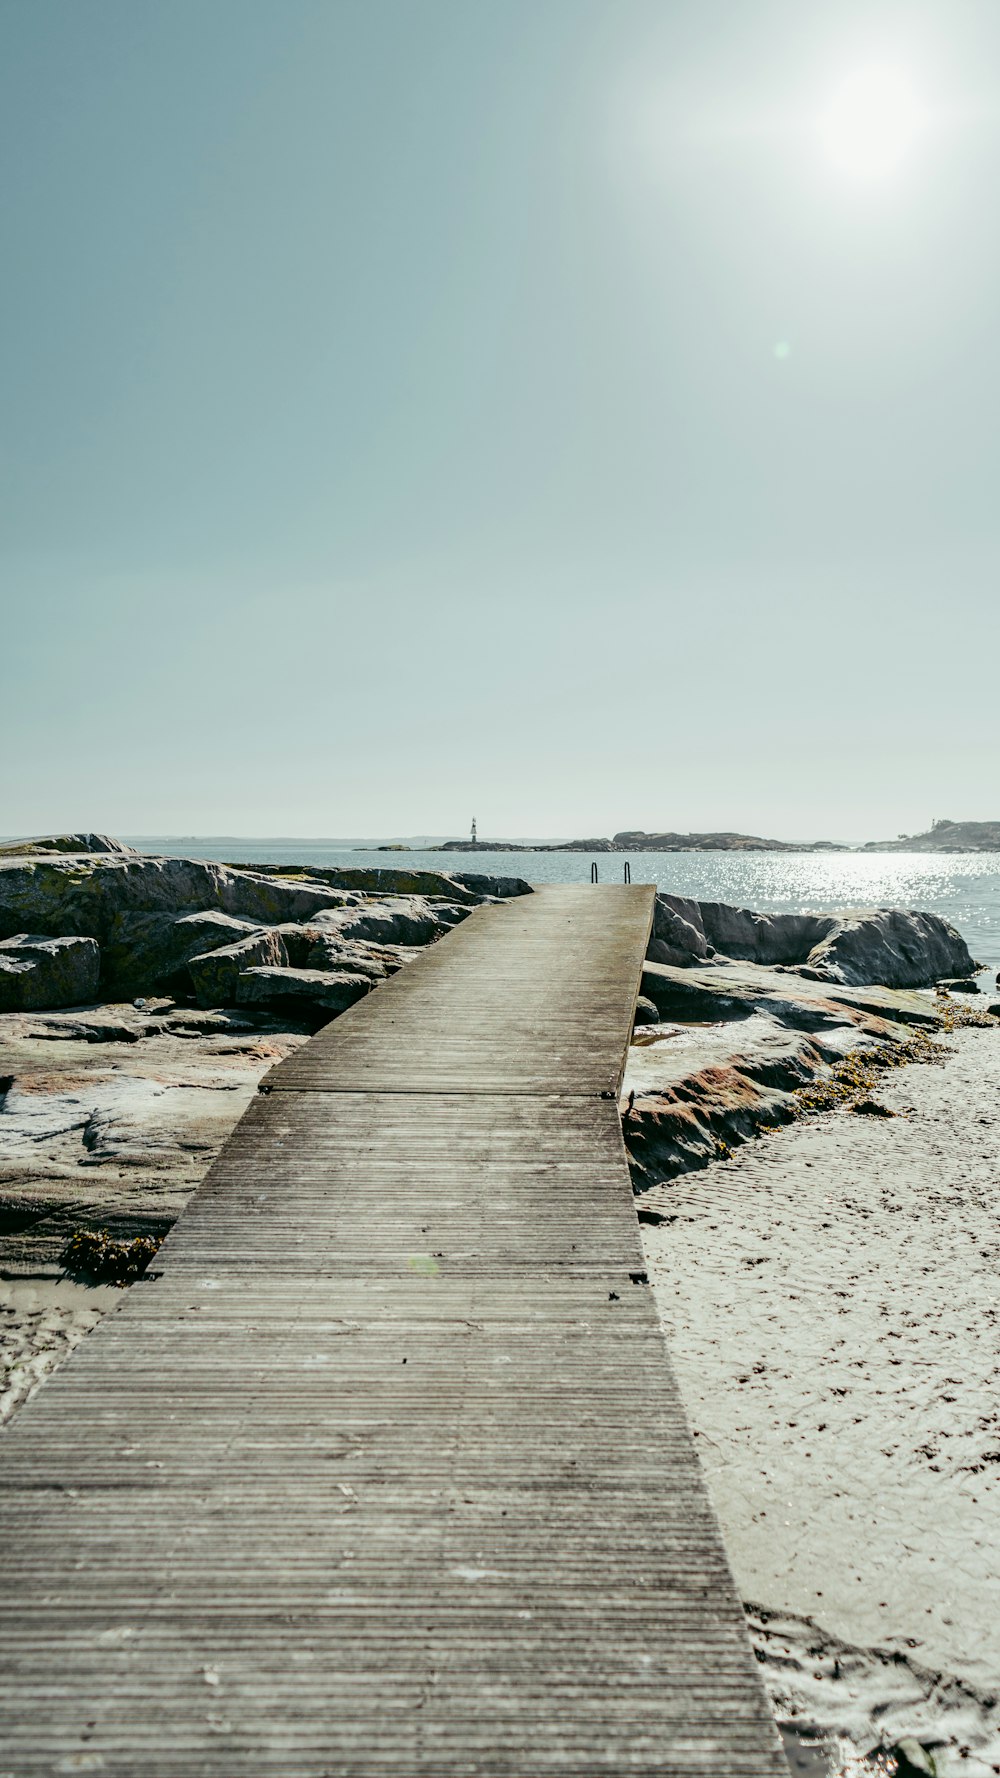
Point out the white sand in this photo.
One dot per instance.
(40, 1323)
(831, 1300)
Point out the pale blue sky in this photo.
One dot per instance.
(392, 428)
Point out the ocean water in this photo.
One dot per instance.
(964, 887)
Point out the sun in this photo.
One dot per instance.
(871, 122)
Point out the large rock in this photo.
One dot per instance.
(38, 972)
(316, 945)
(359, 956)
(215, 974)
(149, 953)
(463, 886)
(678, 936)
(646, 1012)
(891, 946)
(406, 920)
(128, 902)
(89, 895)
(208, 928)
(686, 1090)
(700, 926)
(324, 991)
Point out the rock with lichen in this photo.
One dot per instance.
(316, 991)
(142, 910)
(65, 842)
(895, 947)
(215, 974)
(38, 972)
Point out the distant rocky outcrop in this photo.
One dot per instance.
(520, 846)
(635, 840)
(944, 836)
(638, 841)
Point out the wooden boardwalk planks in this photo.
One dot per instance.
(534, 995)
(387, 1473)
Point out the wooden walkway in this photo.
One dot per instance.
(386, 1472)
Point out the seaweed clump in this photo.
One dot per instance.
(853, 1081)
(955, 1015)
(96, 1257)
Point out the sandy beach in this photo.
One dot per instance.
(830, 1298)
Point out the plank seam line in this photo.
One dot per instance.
(440, 1092)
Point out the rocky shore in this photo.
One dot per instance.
(143, 998)
(740, 1012)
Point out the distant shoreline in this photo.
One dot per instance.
(942, 836)
(965, 838)
(921, 844)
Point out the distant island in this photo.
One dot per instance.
(640, 841)
(942, 836)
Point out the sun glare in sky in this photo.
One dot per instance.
(872, 121)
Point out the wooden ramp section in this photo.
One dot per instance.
(386, 1472)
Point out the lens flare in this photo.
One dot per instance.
(872, 122)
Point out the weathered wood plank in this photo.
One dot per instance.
(531, 995)
(386, 1474)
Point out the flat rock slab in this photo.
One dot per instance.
(724, 989)
(110, 1116)
(385, 1472)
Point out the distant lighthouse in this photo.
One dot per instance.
(474, 840)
